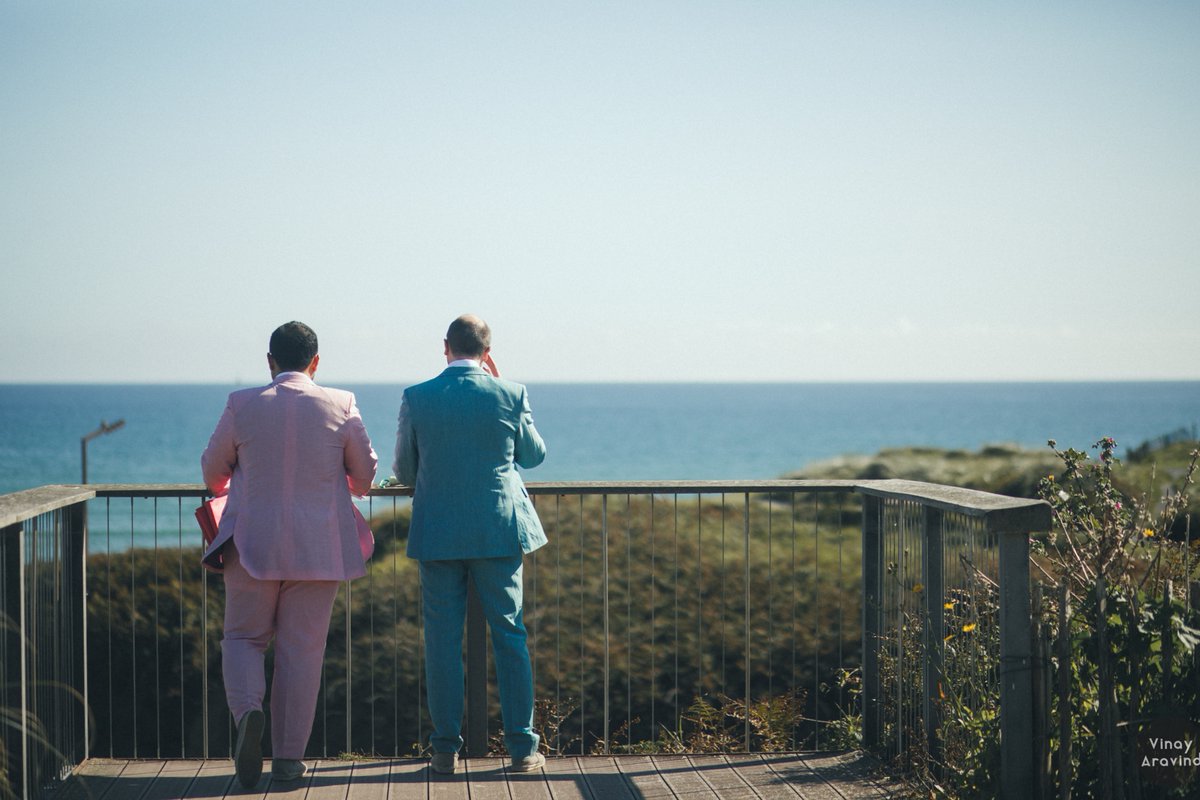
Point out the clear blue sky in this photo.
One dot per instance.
(625, 191)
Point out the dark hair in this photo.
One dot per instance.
(469, 336)
(293, 345)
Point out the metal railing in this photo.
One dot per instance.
(43, 655)
(659, 613)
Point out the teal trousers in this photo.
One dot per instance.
(444, 595)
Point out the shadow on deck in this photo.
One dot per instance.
(772, 775)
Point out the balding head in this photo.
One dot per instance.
(468, 337)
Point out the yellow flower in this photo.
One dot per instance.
(970, 626)
(1050, 477)
(920, 587)
(949, 606)
(1148, 532)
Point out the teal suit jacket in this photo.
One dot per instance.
(461, 437)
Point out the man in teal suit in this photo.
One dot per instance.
(462, 435)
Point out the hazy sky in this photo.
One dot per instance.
(625, 191)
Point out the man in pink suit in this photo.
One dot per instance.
(289, 455)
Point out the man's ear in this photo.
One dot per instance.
(271, 365)
(311, 369)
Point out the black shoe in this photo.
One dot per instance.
(247, 755)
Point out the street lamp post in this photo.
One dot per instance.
(104, 428)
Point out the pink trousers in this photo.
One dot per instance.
(296, 615)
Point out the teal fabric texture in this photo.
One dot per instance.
(461, 437)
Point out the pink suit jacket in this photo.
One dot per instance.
(289, 454)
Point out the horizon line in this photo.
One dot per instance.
(638, 382)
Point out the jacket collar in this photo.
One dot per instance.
(468, 369)
(291, 377)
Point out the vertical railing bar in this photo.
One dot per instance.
(746, 600)
(629, 620)
(83, 596)
(371, 625)
(182, 687)
(532, 602)
(872, 558)
(770, 603)
(558, 675)
(1016, 686)
(349, 669)
(133, 628)
(675, 587)
(794, 632)
(24, 629)
(817, 619)
(653, 625)
(204, 733)
(933, 561)
(157, 659)
(841, 583)
(699, 601)
(582, 714)
(724, 592)
(604, 592)
(396, 644)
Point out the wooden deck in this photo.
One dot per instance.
(791, 775)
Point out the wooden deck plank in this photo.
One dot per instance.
(677, 772)
(369, 780)
(564, 779)
(818, 776)
(755, 772)
(485, 778)
(327, 780)
(134, 780)
(174, 781)
(603, 778)
(213, 779)
(91, 780)
(408, 779)
(787, 776)
(726, 783)
(529, 785)
(446, 787)
(641, 774)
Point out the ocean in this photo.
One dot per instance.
(611, 431)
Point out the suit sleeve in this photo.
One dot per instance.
(359, 456)
(405, 465)
(220, 457)
(529, 450)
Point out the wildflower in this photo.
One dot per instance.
(1050, 477)
(948, 606)
(970, 626)
(919, 587)
(1148, 532)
